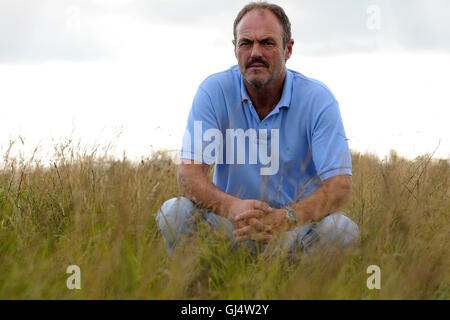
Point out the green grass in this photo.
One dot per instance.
(99, 213)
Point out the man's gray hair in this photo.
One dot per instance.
(277, 10)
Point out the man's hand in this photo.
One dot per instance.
(269, 222)
(250, 213)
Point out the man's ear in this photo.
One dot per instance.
(288, 50)
(234, 44)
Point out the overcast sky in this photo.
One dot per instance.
(93, 69)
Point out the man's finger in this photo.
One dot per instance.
(254, 227)
(254, 236)
(249, 214)
(241, 224)
(268, 228)
(263, 206)
(255, 223)
(242, 231)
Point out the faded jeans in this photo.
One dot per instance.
(178, 218)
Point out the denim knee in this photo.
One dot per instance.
(175, 218)
(337, 229)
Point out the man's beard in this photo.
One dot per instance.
(259, 84)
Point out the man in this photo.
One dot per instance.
(248, 112)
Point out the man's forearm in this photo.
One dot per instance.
(195, 185)
(332, 196)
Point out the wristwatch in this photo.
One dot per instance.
(291, 216)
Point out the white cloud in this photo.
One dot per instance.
(389, 101)
(43, 30)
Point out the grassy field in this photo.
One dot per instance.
(99, 213)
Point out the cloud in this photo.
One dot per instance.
(41, 30)
(326, 27)
(345, 26)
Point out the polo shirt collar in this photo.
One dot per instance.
(285, 100)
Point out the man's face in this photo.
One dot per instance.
(259, 47)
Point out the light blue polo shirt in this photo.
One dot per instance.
(280, 159)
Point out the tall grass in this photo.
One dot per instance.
(98, 212)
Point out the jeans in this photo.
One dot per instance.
(178, 218)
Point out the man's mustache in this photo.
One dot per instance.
(257, 60)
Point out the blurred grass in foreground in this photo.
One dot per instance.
(99, 213)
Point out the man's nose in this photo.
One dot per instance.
(256, 51)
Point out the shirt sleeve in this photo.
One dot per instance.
(202, 127)
(330, 152)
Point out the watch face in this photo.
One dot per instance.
(291, 215)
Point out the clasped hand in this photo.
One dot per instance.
(256, 220)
